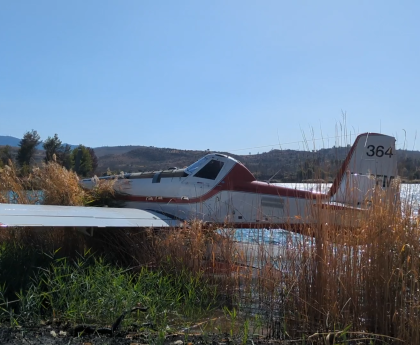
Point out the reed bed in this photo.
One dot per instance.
(364, 279)
(358, 281)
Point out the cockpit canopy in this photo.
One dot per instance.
(209, 166)
(195, 166)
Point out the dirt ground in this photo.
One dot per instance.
(49, 335)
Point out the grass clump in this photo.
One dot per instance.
(59, 186)
(89, 290)
(52, 184)
(13, 188)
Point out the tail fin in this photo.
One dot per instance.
(372, 161)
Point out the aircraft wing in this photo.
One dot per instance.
(81, 217)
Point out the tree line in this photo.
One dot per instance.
(81, 159)
(285, 166)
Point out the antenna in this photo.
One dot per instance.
(269, 180)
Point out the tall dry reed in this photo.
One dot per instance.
(13, 188)
(352, 271)
(52, 184)
(336, 277)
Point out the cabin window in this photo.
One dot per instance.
(210, 170)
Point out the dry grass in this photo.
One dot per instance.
(51, 184)
(362, 280)
(59, 186)
(11, 182)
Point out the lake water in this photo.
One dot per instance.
(35, 196)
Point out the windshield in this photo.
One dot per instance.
(193, 167)
(210, 170)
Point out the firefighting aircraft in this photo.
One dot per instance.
(220, 190)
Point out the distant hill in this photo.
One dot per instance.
(280, 165)
(8, 140)
(277, 165)
(114, 150)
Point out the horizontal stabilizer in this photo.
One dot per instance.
(339, 206)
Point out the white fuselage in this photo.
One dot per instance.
(219, 189)
(233, 196)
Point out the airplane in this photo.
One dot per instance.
(220, 190)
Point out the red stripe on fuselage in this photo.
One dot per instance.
(239, 179)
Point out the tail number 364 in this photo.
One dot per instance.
(379, 151)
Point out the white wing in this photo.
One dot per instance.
(81, 217)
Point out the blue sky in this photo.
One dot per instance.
(239, 76)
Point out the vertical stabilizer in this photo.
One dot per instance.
(371, 162)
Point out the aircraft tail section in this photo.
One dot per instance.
(371, 163)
